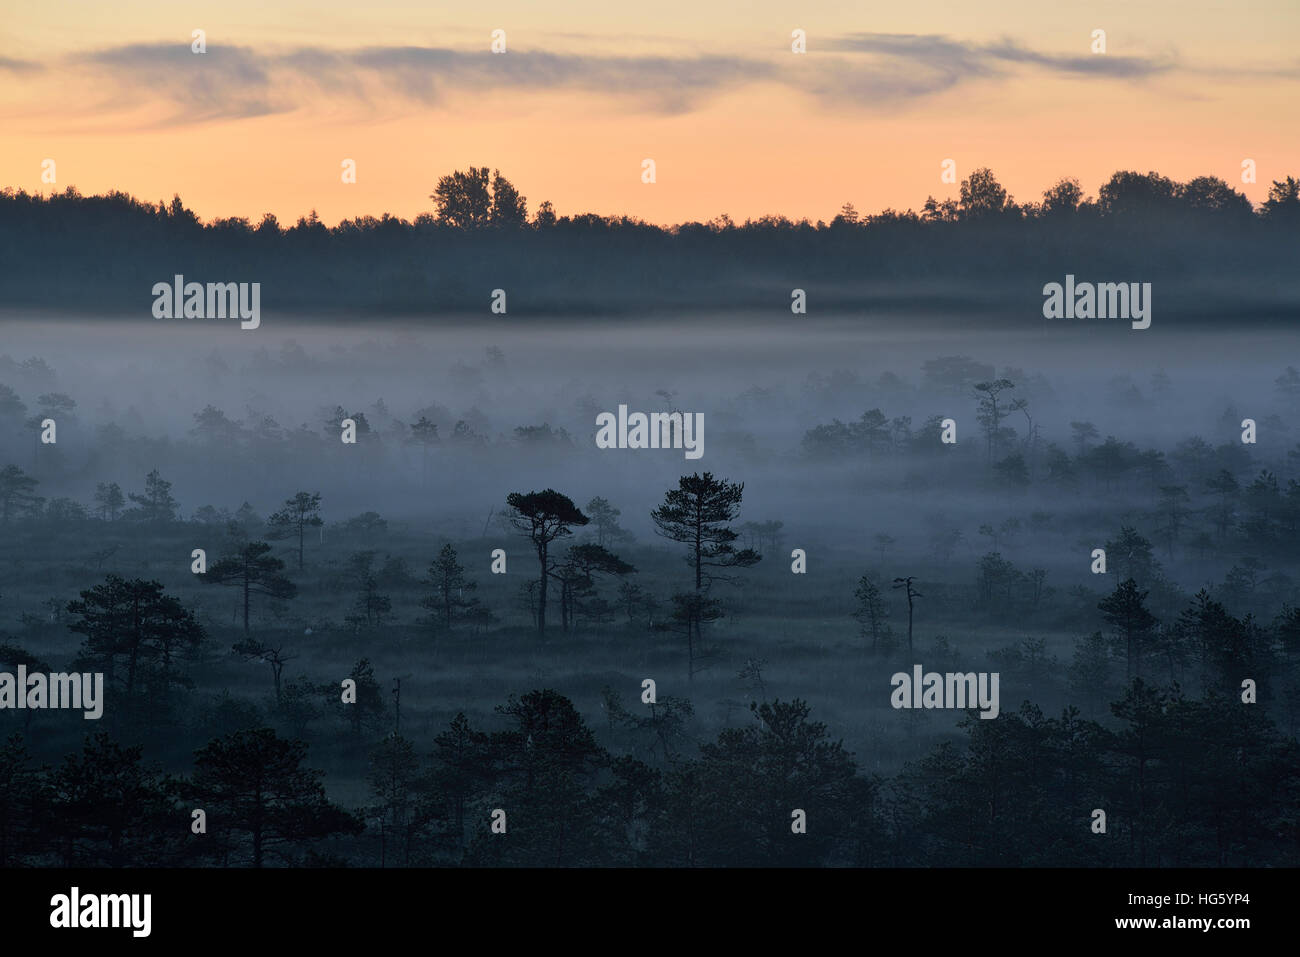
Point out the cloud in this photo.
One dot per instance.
(223, 83)
(1096, 64)
(951, 61)
(861, 70)
(228, 81)
(931, 64)
(660, 84)
(19, 66)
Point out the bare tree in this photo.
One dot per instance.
(252, 650)
(872, 612)
(912, 595)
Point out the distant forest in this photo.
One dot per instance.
(74, 252)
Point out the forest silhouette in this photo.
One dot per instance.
(69, 251)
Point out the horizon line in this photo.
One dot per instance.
(948, 203)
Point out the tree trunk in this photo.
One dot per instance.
(690, 646)
(541, 592)
(699, 546)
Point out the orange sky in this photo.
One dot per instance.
(735, 122)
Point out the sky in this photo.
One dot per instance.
(735, 122)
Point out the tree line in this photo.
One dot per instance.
(69, 250)
(1182, 782)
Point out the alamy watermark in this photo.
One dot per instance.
(654, 430)
(76, 910)
(82, 691)
(1103, 300)
(214, 300)
(930, 689)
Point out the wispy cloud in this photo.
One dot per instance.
(239, 81)
(19, 66)
(956, 59)
(1105, 65)
(223, 83)
(655, 83)
(854, 71)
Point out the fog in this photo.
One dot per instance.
(1104, 437)
(761, 383)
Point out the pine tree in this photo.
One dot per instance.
(295, 517)
(447, 577)
(543, 517)
(254, 571)
(1130, 622)
(156, 504)
(252, 783)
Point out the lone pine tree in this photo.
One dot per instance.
(252, 570)
(155, 505)
(543, 517)
(698, 514)
(295, 517)
(447, 578)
